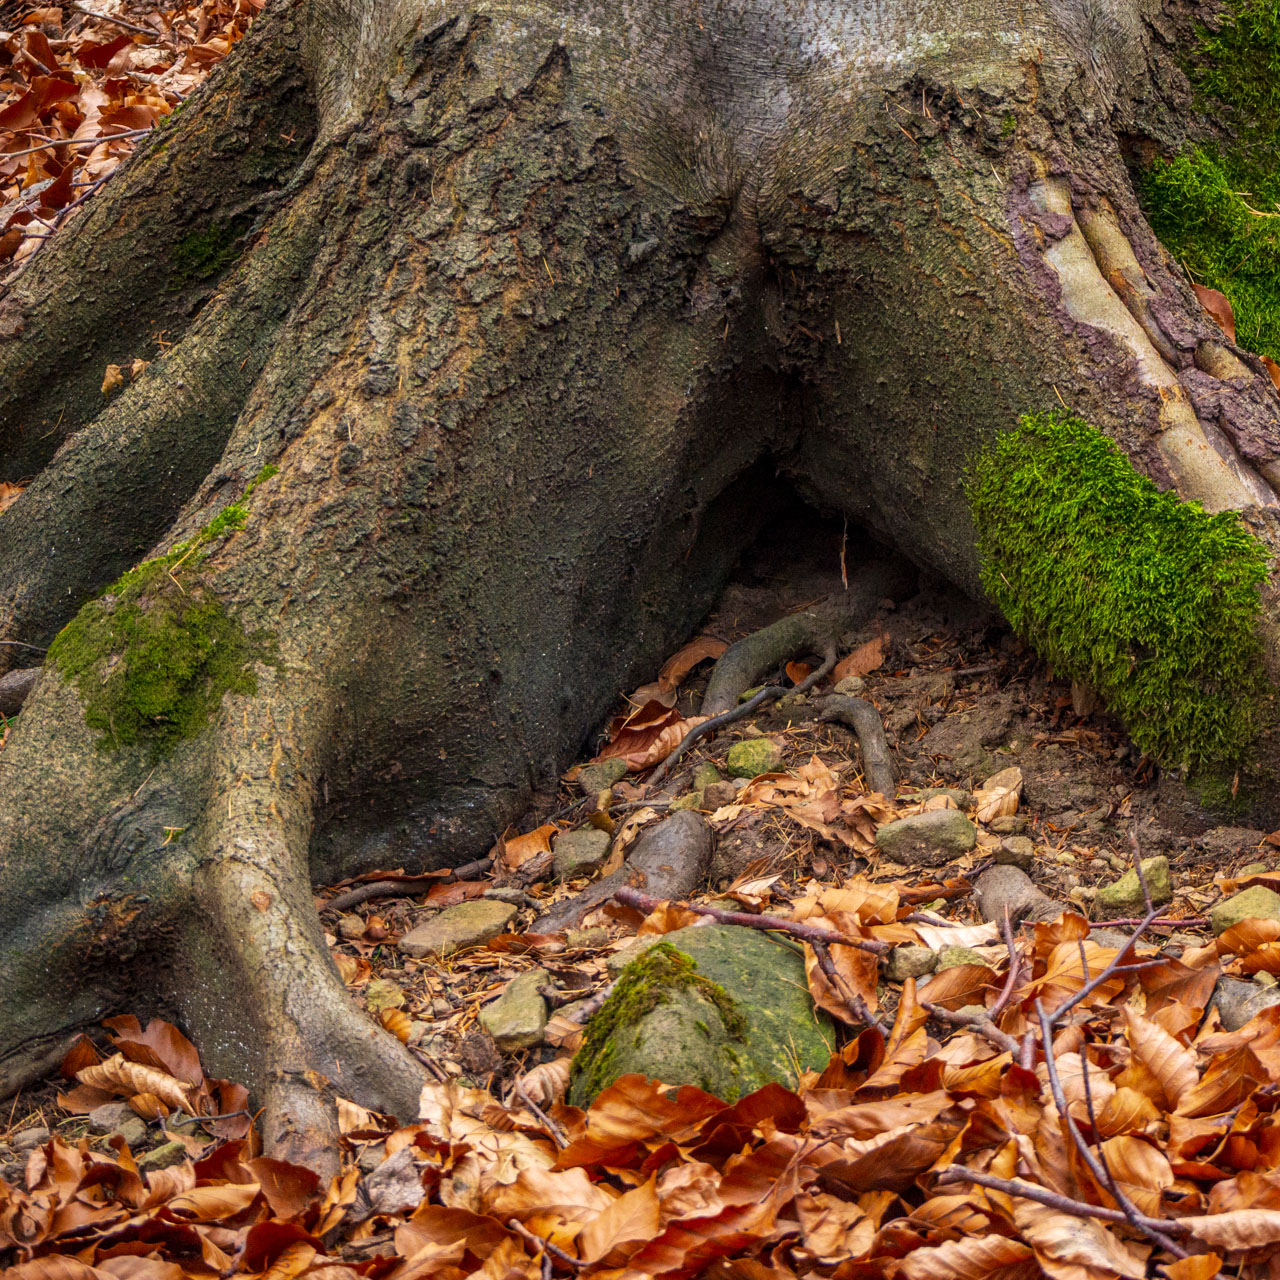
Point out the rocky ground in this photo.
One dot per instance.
(488, 977)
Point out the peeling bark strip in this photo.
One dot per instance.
(526, 316)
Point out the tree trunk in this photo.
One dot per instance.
(492, 325)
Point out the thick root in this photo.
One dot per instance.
(860, 716)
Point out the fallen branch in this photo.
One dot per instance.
(809, 933)
(1160, 922)
(558, 1135)
(406, 887)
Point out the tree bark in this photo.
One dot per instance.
(515, 314)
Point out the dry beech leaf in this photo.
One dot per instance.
(112, 380)
(515, 852)
(678, 666)
(9, 494)
(397, 1022)
(865, 659)
(547, 1084)
(998, 796)
(1273, 369)
(1219, 307)
(125, 1079)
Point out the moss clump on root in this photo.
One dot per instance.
(650, 980)
(1215, 208)
(1151, 600)
(206, 253)
(152, 656)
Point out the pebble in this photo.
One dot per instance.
(26, 1139)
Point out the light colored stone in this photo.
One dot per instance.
(133, 1131)
(1237, 1002)
(381, 994)
(690, 800)
(851, 686)
(706, 775)
(927, 839)
(601, 776)
(518, 1017)
(909, 961)
(1258, 903)
(26, 1139)
(165, 1156)
(469, 924)
(752, 757)
(1124, 897)
(109, 1116)
(1015, 851)
(581, 852)
(954, 957)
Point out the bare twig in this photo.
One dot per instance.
(77, 142)
(857, 1006)
(1160, 922)
(810, 933)
(980, 1023)
(545, 1247)
(407, 887)
(114, 21)
(558, 1135)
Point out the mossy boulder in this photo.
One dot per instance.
(1257, 903)
(1125, 898)
(752, 757)
(927, 839)
(716, 1006)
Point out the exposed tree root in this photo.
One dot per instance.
(374, 889)
(669, 860)
(809, 631)
(860, 716)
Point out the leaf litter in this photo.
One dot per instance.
(938, 1142)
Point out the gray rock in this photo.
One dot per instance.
(851, 686)
(371, 1157)
(26, 1139)
(715, 1006)
(469, 924)
(909, 961)
(954, 957)
(596, 937)
(1124, 896)
(1015, 851)
(601, 776)
(753, 756)
(927, 839)
(1258, 902)
(579, 853)
(518, 1017)
(133, 1131)
(1116, 938)
(507, 893)
(719, 794)
(109, 1116)
(1010, 825)
(1238, 1001)
(962, 798)
(165, 1156)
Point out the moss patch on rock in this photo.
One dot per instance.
(1215, 207)
(719, 1007)
(1149, 599)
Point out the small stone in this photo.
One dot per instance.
(1110, 938)
(350, 926)
(417, 1030)
(1256, 903)
(1010, 825)
(690, 800)
(953, 957)
(963, 799)
(1015, 851)
(381, 994)
(928, 839)
(109, 1116)
(518, 1017)
(752, 757)
(972, 1010)
(706, 775)
(1124, 897)
(1253, 869)
(469, 924)
(26, 1139)
(133, 1131)
(579, 853)
(165, 1156)
(371, 1157)
(1237, 1002)
(909, 961)
(507, 893)
(1265, 979)
(719, 794)
(1065, 859)
(851, 686)
(597, 937)
(601, 776)
(440, 1007)
(1229, 840)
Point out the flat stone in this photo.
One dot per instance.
(1015, 851)
(909, 961)
(1257, 903)
(601, 776)
(581, 852)
(381, 994)
(851, 686)
(109, 1116)
(752, 757)
(518, 1017)
(165, 1156)
(954, 957)
(690, 800)
(597, 937)
(133, 1131)
(1237, 1002)
(1011, 824)
(927, 839)
(26, 1139)
(469, 924)
(1124, 896)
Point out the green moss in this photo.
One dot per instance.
(1149, 599)
(1215, 207)
(153, 655)
(205, 253)
(650, 980)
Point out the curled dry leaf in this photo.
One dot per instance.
(865, 659)
(1218, 305)
(397, 1022)
(119, 1076)
(9, 494)
(998, 796)
(678, 666)
(547, 1083)
(112, 380)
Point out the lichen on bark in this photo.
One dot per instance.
(1150, 599)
